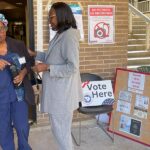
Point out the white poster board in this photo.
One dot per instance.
(77, 12)
(136, 82)
(97, 93)
(131, 108)
(101, 29)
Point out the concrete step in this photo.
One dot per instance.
(138, 23)
(137, 19)
(136, 36)
(138, 27)
(139, 61)
(137, 47)
(134, 67)
(135, 54)
(139, 31)
(136, 41)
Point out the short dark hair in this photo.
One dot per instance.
(65, 17)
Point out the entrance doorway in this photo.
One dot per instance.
(15, 12)
(19, 14)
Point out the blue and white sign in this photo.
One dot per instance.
(77, 12)
(97, 93)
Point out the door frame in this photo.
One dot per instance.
(31, 24)
(31, 46)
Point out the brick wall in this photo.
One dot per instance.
(98, 59)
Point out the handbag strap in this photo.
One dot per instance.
(36, 76)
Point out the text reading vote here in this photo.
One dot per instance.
(99, 90)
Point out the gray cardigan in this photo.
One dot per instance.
(61, 90)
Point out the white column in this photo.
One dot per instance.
(148, 37)
(130, 22)
(39, 26)
(136, 4)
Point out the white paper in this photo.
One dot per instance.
(140, 113)
(125, 123)
(142, 102)
(123, 106)
(22, 60)
(101, 29)
(125, 95)
(77, 12)
(130, 125)
(136, 82)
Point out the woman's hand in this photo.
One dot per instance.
(32, 53)
(3, 64)
(19, 78)
(40, 67)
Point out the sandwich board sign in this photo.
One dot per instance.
(97, 93)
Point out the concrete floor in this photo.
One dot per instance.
(41, 138)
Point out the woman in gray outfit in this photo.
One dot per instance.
(61, 90)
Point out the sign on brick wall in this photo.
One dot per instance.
(77, 12)
(101, 24)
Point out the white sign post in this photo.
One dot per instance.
(39, 25)
(101, 24)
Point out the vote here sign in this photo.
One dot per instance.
(97, 93)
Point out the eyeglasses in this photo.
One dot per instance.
(3, 29)
(50, 17)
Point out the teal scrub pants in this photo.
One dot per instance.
(14, 114)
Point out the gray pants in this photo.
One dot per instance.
(61, 128)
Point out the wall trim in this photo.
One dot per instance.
(31, 24)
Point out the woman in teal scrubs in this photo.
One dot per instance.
(13, 113)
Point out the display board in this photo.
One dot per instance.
(131, 115)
